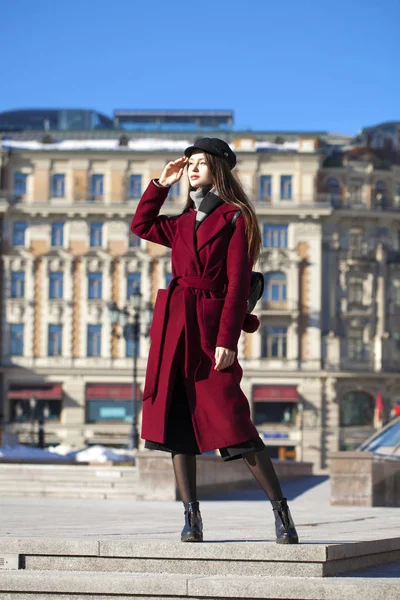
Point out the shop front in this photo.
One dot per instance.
(277, 417)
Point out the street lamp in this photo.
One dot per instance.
(19, 411)
(129, 318)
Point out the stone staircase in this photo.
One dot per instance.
(151, 478)
(68, 481)
(50, 569)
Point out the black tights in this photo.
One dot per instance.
(259, 464)
(185, 475)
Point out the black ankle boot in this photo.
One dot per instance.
(193, 528)
(285, 530)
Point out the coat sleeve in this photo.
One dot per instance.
(239, 269)
(147, 223)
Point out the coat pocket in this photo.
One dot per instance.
(159, 307)
(211, 309)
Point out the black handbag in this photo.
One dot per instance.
(257, 278)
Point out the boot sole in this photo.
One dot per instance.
(287, 541)
(191, 537)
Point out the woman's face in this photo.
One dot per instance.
(198, 171)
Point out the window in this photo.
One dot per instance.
(134, 240)
(20, 180)
(56, 288)
(135, 186)
(275, 287)
(274, 342)
(266, 187)
(274, 412)
(275, 236)
(396, 293)
(356, 191)
(96, 234)
(286, 187)
(17, 284)
(334, 191)
(355, 290)
(95, 286)
(58, 185)
(57, 234)
(21, 411)
(19, 233)
(356, 239)
(381, 193)
(397, 194)
(130, 342)
(94, 340)
(55, 340)
(356, 409)
(110, 410)
(356, 348)
(133, 284)
(175, 190)
(97, 185)
(17, 339)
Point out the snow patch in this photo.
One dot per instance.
(65, 452)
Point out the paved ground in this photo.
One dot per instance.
(239, 516)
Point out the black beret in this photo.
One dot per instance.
(214, 146)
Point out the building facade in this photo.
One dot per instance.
(329, 341)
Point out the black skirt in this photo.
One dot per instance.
(180, 437)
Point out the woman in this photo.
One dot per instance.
(192, 400)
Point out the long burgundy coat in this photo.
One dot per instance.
(207, 298)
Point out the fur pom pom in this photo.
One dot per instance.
(251, 323)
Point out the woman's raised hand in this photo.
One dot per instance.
(173, 171)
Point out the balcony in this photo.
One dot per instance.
(358, 254)
(353, 307)
(297, 201)
(358, 202)
(278, 307)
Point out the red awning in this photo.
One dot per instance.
(275, 393)
(48, 392)
(120, 391)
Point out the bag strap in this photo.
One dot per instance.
(235, 217)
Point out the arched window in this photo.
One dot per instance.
(334, 191)
(381, 193)
(357, 409)
(275, 289)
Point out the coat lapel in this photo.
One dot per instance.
(208, 229)
(212, 225)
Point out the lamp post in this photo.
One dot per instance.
(129, 318)
(42, 420)
(32, 404)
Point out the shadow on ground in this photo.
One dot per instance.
(292, 488)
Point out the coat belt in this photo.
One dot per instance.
(201, 283)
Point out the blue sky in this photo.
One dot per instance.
(289, 65)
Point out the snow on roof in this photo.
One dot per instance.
(272, 146)
(138, 145)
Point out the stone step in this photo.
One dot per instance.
(78, 494)
(77, 474)
(48, 585)
(213, 558)
(54, 488)
(31, 483)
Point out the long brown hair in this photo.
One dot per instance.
(232, 192)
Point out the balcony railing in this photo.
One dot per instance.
(316, 201)
(278, 305)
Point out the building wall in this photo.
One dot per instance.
(317, 263)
